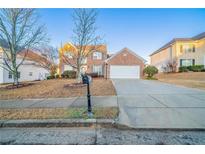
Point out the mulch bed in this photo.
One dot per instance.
(74, 85)
(11, 86)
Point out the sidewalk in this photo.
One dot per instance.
(96, 101)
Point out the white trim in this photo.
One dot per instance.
(130, 51)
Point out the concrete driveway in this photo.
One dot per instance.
(153, 104)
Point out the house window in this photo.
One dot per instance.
(68, 68)
(69, 55)
(187, 62)
(97, 69)
(10, 75)
(30, 73)
(97, 55)
(187, 48)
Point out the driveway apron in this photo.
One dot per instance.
(153, 104)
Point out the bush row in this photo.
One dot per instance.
(69, 74)
(72, 75)
(94, 75)
(52, 77)
(65, 74)
(194, 68)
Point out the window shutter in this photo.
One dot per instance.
(181, 48)
(180, 62)
(194, 48)
(193, 61)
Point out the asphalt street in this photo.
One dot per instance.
(99, 136)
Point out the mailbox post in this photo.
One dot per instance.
(86, 80)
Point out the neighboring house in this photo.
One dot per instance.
(31, 69)
(185, 51)
(123, 64)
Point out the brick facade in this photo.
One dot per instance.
(124, 57)
(91, 61)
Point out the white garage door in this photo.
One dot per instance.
(117, 71)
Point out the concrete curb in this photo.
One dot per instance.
(57, 123)
(106, 123)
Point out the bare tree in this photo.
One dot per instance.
(49, 57)
(19, 30)
(84, 36)
(171, 66)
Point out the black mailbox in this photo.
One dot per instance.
(86, 80)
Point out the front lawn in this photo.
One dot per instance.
(57, 113)
(56, 88)
(188, 79)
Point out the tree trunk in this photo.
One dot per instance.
(78, 75)
(15, 74)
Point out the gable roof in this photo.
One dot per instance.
(34, 56)
(197, 37)
(125, 49)
(69, 47)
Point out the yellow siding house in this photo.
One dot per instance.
(186, 52)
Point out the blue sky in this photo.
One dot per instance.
(141, 30)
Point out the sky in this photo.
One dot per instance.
(141, 30)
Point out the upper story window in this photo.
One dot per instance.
(97, 55)
(69, 54)
(187, 48)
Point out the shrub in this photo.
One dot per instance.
(50, 77)
(93, 75)
(183, 69)
(194, 68)
(197, 68)
(57, 76)
(69, 74)
(150, 71)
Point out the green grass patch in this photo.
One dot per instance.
(58, 113)
(151, 78)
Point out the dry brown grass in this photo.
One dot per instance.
(188, 79)
(55, 88)
(56, 113)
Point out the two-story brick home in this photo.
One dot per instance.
(123, 64)
(186, 52)
(93, 62)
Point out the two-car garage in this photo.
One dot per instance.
(125, 64)
(118, 71)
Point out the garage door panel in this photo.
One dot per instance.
(117, 71)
